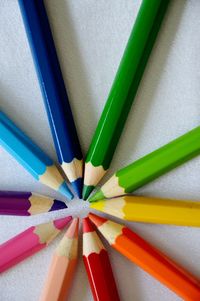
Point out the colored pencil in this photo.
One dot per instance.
(53, 89)
(152, 210)
(29, 242)
(151, 166)
(97, 265)
(62, 266)
(30, 156)
(27, 203)
(123, 91)
(152, 260)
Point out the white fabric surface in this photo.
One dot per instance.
(90, 37)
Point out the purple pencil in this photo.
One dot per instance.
(27, 203)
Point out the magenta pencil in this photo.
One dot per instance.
(29, 242)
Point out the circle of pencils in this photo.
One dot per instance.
(112, 198)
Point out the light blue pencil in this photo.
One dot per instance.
(31, 157)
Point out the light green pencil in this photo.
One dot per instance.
(151, 166)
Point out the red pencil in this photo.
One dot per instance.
(97, 265)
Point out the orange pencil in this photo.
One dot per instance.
(62, 266)
(153, 261)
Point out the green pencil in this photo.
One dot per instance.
(151, 166)
(123, 91)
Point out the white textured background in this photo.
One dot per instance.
(90, 37)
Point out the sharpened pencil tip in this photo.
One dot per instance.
(97, 196)
(58, 205)
(86, 191)
(77, 185)
(63, 189)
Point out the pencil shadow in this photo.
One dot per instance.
(144, 100)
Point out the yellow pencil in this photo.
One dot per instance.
(152, 210)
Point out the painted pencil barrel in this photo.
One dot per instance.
(151, 166)
(53, 89)
(123, 91)
(152, 210)
(27, 203)
(29, 242)
(98, 265)
(30, 156)
(62, 266)
(150, 259)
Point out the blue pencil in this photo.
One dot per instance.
(30, 156)
(53, 89)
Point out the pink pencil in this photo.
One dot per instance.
(29, 242)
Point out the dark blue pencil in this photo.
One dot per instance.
(53, 89)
